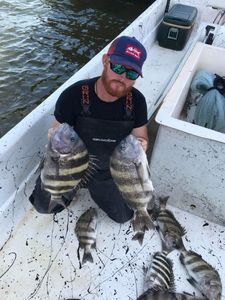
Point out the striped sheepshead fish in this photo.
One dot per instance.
(130, 171)
(169, 228)
(201, 274)
(159, 275)
(86, 233)
(65, 164)
(166, 295)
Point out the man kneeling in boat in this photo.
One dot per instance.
(103, 110)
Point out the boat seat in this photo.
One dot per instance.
(218, 4)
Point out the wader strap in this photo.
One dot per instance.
(128, 106)
(85, 100)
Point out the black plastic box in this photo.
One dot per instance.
(176, 26)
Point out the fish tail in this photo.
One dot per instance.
(142, 222)
(139, 236)
(87, 257)
(54, 202)
(163, 201)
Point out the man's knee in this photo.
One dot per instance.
(121, 217)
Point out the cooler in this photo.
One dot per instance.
(176, 26)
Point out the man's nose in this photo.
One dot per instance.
(122, 77)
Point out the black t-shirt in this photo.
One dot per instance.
(69, 105)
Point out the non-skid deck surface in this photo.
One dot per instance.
(40, 261)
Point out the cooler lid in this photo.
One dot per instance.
(181, 14)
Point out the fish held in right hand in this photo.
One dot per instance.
(130, 171)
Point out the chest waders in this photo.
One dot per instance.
(101, 137)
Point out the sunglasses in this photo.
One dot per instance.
(119, 69)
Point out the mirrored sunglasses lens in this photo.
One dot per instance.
(118, 69)
(132, 75)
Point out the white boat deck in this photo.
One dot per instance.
(40, 260)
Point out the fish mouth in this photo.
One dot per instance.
(63, 154)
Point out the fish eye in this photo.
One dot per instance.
(123, 147)
(72, 139)
(174, 244)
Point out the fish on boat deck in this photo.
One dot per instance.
(86, 231)
(201, 274)
(170, 230)
(159, 276)
(130, 170)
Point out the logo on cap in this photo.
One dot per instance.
(133, 51)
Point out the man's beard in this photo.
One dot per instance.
(114, 87)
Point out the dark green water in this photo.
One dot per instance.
(44, 42)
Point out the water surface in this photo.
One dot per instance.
(44, 42)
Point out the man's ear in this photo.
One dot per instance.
(105, 59)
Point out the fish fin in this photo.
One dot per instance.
(163, 201)
(40, 165)
(196, 254)
(89, 173)
(181, 257)
(157, 228)
(142, 222)
(153, 207)
(54, 202)
(192, 281)
(145, 269)
(180, 244)
(143, 176)
(139, 236)
(172, 286)
(183, 231)
(148, 170)
(87, 257)
(187, 294)
(43, 201)
(93, 246)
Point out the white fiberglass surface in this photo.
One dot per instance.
(40, 260)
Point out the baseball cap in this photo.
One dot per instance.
(128, 51)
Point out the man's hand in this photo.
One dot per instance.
(50, 132)
(144, 143)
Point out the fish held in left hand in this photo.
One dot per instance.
(130, 171)
(66, 165)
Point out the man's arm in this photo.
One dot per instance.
(141, 134)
